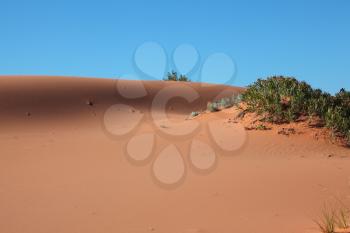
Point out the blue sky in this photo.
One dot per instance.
(306, 39)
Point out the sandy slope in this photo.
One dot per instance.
(63, 170)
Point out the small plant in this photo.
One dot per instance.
(226, 102)
(261, 127)
(332, 221)
(183, 78)
(327, 222)
(236, 99)
(173, 76)
(342, 219)
(213, 107)
(223, 103)
(194, 114)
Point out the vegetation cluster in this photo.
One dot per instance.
(285, 99)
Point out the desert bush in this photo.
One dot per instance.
(194, 114)
(284, 99)
(337, 116)
(223, 103)
(226, 103)
(213, 107)
(236, 99)
(319, 103)
(183, 78)
(173, 76)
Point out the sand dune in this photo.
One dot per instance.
(102, 155)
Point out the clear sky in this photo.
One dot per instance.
(308, 39)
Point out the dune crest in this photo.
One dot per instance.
(71, 162)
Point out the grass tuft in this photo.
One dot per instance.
(327, 222)
(342, 218)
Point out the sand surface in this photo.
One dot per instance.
(102, 155)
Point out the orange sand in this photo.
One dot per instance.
(60, 171)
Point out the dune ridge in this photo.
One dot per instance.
(61, 171)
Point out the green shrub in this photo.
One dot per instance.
(337, 116)
(173, 76)
(183, 78)
(261, 127)
(213, 107)
(285, 99)
(236, 99)
(319, 103)
(223, 103)
(226, 102)
(194, 114)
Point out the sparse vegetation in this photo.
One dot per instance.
(223, 103)
(327, 222)
(285, 99)
(213, 107)
(183, 78)
(261, 127)
(342, 218)
(194, 114)
(332, 221)
(173, 76)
